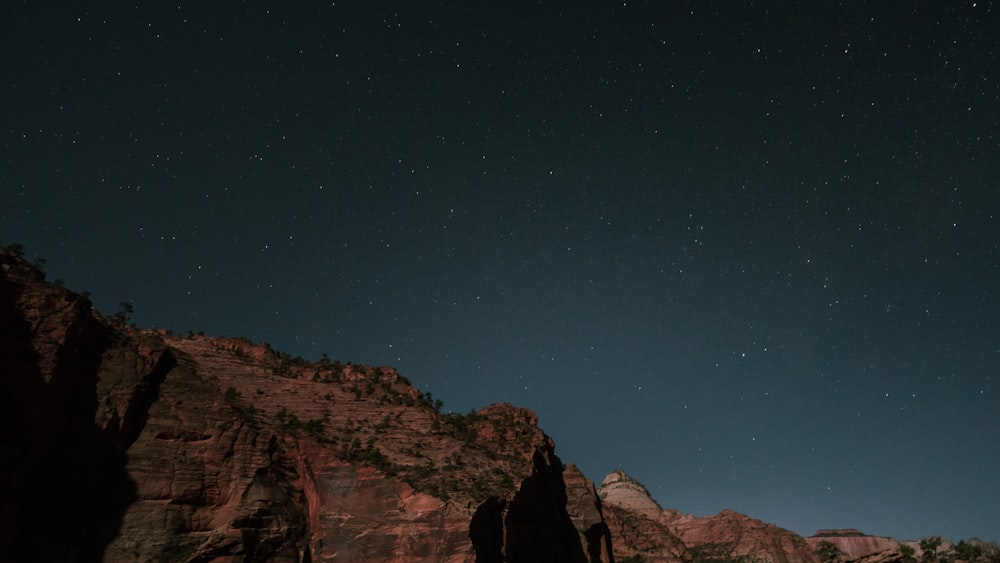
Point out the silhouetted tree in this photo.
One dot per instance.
(929, 547)
(965, 551)
(124, 315)
(16, 249)
(991, 551)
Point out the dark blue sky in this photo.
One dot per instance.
(748, 254)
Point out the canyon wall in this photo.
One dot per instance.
(123, 444)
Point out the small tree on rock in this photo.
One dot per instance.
(929, 547)
(828, 552)
(966, 551)
(124, 315)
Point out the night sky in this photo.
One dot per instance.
(748, 254)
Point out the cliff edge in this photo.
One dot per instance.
(124, 444)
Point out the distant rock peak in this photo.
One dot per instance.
(619, 476)
(620, 490)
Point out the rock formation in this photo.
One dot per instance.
(638, 525)
(744, 537)
(641, 528)
(122, 444)
(584, 508)
(852, 543)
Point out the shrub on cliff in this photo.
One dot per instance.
(928, 549)
(16, 249)
(828, 552)
(966, 551)
(717, 553)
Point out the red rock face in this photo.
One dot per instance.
(132, 445)
(745, 537)
(635, 536)
(119, 444)
(64, 483)
(640, 528)
(584, 508)
(852, 543)
(637, 524)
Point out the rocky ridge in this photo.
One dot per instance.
(740, 536)
(207, 449)
(123, 444)
(852, 543)
(643, 529)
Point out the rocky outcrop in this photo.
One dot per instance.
(65, 481)
(741, 536)
(620, 490)
(891, 555)
(641, 528)
(852, 543)
(584, 508)
(123, 444)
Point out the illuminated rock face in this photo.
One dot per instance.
(120, 444)
(854, 544)
(745, 537)
(640, 528)
(133, 445)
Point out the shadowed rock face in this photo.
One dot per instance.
(586, 513)
(64, 482)
(538, 525)
(129, 445)
(487, 531)
(120, 444)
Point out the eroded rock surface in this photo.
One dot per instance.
(134, 445)
(743, 536)
(638, 525)
(120, 444)
(640, 528)
(852, 543)
(65, 485)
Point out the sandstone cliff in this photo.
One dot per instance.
(643, 529)
(852, 543)
(637, 523)
(742, 536)
(122, 444)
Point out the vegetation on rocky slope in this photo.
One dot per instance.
(372, 415)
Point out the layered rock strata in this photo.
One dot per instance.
(858, 547)
(123, 444)
(643, 529)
